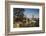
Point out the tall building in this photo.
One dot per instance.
(32, 17)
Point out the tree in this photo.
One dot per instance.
(19, 13)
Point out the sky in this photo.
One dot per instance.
(29, 12)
